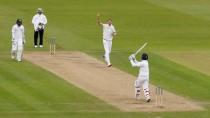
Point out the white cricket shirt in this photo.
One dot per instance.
(144, 67)
(108, 32)
(39, 19)
(18, 33)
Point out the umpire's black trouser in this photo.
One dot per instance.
(41, 34)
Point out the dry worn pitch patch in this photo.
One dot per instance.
(109, 84)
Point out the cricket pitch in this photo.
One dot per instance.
(108, 84)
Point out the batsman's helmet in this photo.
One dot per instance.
(144, 56)
(19, 22)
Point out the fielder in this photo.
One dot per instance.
(18, 40)
(143, 77)
(39, 21)
(108, 33)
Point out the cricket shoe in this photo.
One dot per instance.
(148, 100)
(110, 65)
(41, 46)
(35, 46)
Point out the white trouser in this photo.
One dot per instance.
(143, 81)
(17, 50)
(14, 49)
(107, 48)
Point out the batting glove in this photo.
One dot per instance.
(132, 57)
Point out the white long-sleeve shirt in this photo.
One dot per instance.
(108, 31)
(18, 34)
(144, 67)
(37, 19)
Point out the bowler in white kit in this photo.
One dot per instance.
(142, 80)
(18, 40)
(108, 33)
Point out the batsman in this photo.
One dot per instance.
(18, 40)
(142, 80)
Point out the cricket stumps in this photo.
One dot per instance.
(159, 97)
(52, 45)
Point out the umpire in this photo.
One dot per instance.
(39, 21)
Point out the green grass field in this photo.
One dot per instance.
(27, 91)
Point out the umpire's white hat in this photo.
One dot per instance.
(39, 10)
